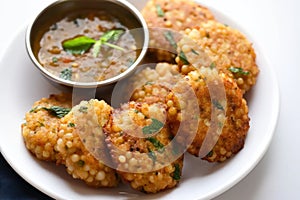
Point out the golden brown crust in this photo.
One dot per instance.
(233, 129)
(224, 132)
(228, 48)
(143, 159)
(81, 144)
(177, 14)
(164, 16)
(41, 127)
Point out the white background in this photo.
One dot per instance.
(274, 24)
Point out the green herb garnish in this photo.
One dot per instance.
(212, 65)
(195, 52)
(169, 36)
(35, 109)
(81, 44)
(66, 74)
(71, 125)
(217, 105)
(152, 155)
(83, 109)
(54, 59)
(176, 174)
(80, 163)
(238, 70)
(156, 143)
(183, 58)
(112, 35)
(58, 111)
(159, 11)
(78, 45)
(210, 154)
(154, 127)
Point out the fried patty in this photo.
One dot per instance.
(166, 18)
(230, 51)
(41, 127)
(82, 145)
(141, 147)
(221, 121)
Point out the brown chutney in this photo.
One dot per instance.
(71, 48)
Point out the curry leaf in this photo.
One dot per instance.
(154, 127)
(78, 45)
(112, 35)
(58, 111)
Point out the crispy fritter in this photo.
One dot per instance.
(227, 48)
(223, 121)
(41, 127)
(140, 144)
(222, 118)
(82, 145)
(166, 18)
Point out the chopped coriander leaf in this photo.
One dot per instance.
(152, 155)
(80, 163)
(238, 70)
(212, 65)
(176, 174)
(217, 105)
(154, 127)
(71, 125)
(210, 154)
(83, 109)
(66, 74)
(32, 110)
(169, 36)
(183, 58)
(58, 111)
(54, 59)
(159, 11)
(156, 143)
(195, 52)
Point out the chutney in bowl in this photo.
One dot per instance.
(89, 43)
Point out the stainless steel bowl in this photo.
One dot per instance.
(123, 10)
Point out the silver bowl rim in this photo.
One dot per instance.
(95, 84)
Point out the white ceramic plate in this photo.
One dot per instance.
(21, 84)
